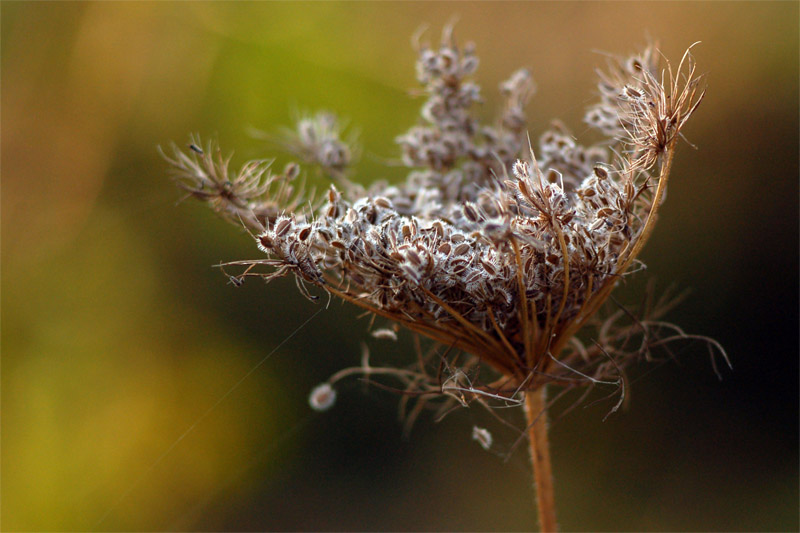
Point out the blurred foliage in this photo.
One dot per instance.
(123, 348)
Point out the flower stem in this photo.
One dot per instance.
(540, 457)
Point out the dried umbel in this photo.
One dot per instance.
(497, 252)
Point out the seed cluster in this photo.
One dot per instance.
(485, 247)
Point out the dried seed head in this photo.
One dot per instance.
(322, 397)
(521, 169)
(486, 247)
(600, 172)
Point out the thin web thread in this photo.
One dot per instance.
(199, 419)
(187, 521)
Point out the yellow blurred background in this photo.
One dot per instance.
(118, 335)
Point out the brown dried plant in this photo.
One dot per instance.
(499, 256)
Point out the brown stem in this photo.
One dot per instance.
(540, 457)
(626, 257)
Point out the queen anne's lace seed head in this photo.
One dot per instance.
(485, 248)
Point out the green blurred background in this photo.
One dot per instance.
(118, 334)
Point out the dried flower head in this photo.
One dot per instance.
(497, 252)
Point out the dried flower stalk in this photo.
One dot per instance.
(497, 255)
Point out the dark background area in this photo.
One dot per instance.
(118, 335)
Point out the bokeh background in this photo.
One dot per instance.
(118, 335)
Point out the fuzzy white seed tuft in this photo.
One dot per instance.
(384, 334)
(322, 397)
(483, 437)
